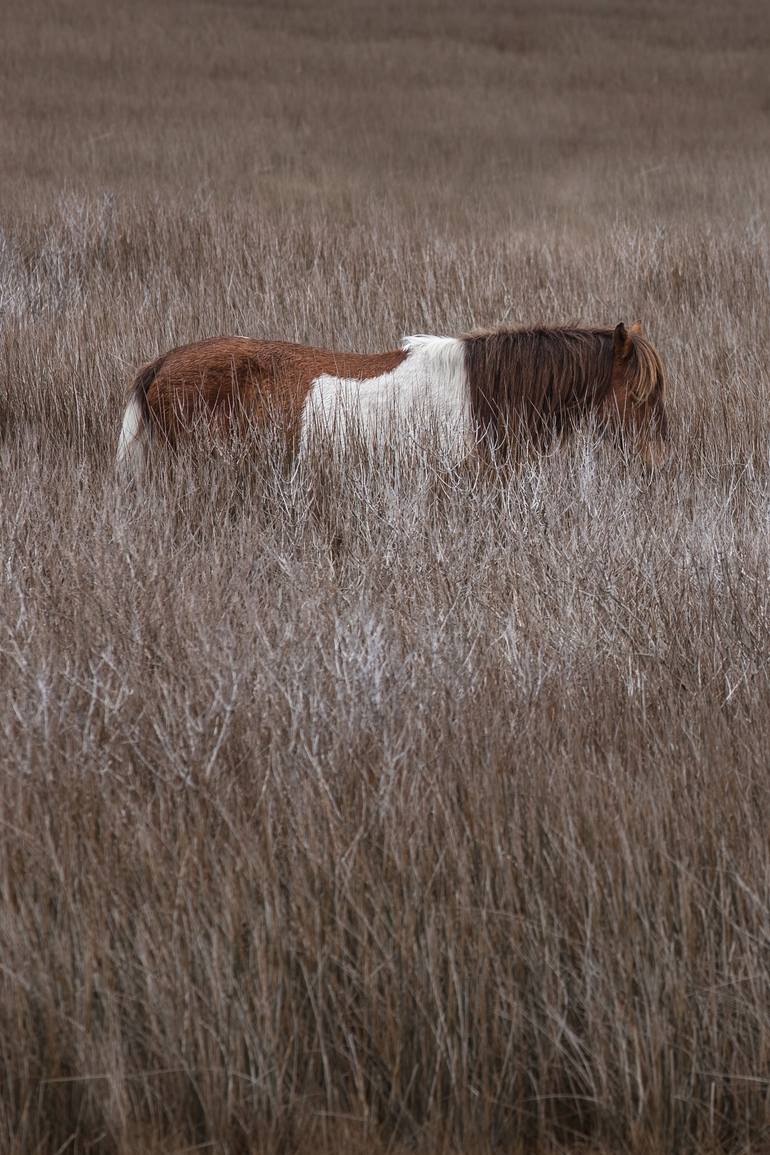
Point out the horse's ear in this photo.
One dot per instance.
(621, 342)
(636, 328)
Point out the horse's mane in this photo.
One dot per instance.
(645, 371)
(532, 382)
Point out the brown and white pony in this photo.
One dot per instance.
(493, 391)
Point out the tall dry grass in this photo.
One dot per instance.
(371, 806)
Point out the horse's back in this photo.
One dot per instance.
(228, 374)
(225, 382)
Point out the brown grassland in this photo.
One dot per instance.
(372, 807)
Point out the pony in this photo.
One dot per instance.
(489, 393)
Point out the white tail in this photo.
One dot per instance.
(130, 457)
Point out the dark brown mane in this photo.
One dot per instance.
(528, 382)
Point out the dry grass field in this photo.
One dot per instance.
(370, 807)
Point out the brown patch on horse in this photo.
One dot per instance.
(233, 380)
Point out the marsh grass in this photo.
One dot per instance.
(355, 805)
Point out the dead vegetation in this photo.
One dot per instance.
(375, 807)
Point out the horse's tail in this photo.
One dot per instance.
(137, 425)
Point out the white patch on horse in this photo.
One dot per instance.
(130, 455)
(428, 390)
